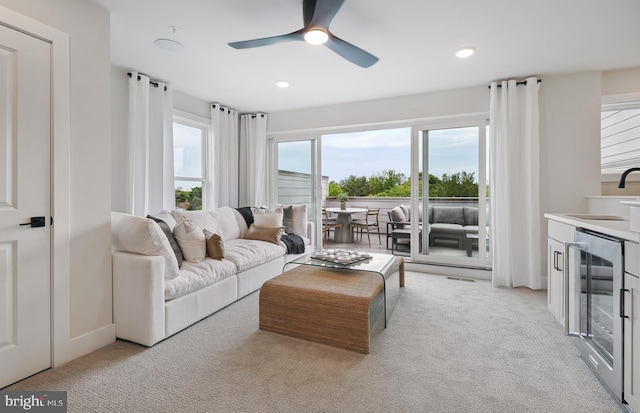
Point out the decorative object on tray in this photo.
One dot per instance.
(341, 256)
(343, 197)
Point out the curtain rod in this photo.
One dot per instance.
(222, 109)
(154, 84)
(524, 82)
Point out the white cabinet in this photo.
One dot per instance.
(559, 234)
(632, 325)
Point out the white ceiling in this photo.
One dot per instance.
(415, 41)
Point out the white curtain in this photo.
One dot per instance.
(224, 127)
(253, 160)
(515, 186)
(150, 185)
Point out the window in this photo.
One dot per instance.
(190, 166)
(620, 136)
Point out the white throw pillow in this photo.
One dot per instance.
(138, 235)
(270, 218)
(191, 240)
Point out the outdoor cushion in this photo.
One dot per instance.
(470, 215)
(448, 215)
(397, 215)
(442, 228)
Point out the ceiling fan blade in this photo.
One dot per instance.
(266, 41)
(320, 13)
(350, 52)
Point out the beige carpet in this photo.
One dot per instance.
(451, 346)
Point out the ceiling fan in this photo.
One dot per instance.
(317, 15)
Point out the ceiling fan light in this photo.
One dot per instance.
(282, 84)
(465, 52)
(316, 36)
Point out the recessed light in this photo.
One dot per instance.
(169, 45)
(316, 36)
(282, 84)
(465, 52)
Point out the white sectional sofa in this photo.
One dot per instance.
(153, 298)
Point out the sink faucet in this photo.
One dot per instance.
(624, 176)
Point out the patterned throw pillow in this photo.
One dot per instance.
(271, 218)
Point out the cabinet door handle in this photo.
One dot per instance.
(559, 260)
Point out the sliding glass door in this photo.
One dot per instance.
(296, 177)
(449, 190)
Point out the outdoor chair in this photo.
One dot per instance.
(399, 230)
(329, 224)
(369, 223)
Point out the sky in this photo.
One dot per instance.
(368, 153)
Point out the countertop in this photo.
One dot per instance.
(617, 228)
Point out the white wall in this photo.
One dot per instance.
(470, 100)
(90, 320)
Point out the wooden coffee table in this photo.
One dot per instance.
(342, 306)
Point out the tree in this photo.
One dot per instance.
(459, 184)
(334, 188)
(189, 200)
(355, 186)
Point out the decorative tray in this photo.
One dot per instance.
(342, 257)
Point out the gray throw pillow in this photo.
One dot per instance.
(172, 240)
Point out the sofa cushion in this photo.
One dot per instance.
(268, 234)
(406, 209)
(144, 236)
(448, 215)
(268, 217)
(442, 228)
(397, 215)
(215, 245)
(246, 253)
(191, 240)
(295, 219)
(166, 217)
(203, 219)
(228, 227)
(470, 229)
(221, 221)
(470, 215)
(196, 275)
(167, 228)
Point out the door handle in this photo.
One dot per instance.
(567, 266)
(622, 291)
(36, 222)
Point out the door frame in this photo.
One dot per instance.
(481, 121)
(272, 162)
(62, 346)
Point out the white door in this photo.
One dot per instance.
(25, 251)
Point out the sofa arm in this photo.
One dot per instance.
(310, 231)
(138, 297)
